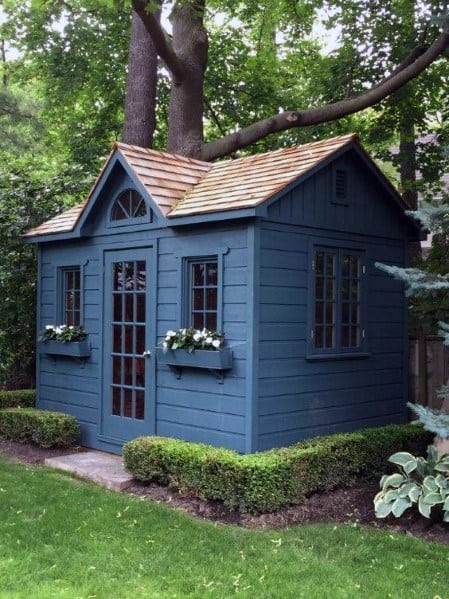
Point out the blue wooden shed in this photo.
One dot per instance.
(276, 250)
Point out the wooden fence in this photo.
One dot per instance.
(429, 370)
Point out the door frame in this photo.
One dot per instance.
(150, 322)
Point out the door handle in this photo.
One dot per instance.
(146, 353)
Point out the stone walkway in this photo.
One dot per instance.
(105, 469)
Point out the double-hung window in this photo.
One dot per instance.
(71, 296)
(337, 312)
(202, 288)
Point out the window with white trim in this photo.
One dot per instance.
(337, 320)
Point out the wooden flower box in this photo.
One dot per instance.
(73, 349)
(178, 359)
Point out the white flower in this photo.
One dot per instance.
(167, 338)
(197, 336)
(209, 340)
(216, 343)
(50, 327)
(171, 334)
(165, 345)
(71, 327)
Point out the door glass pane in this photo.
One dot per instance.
(140, 340)
(140, 316)
(128, 371)
(141, 276)
(128, 403)
(129, 307)
(129, 339)
(118, 282)
(139, 367)
(117, 344)
(117, 301)
(116, 401)
(140, 405)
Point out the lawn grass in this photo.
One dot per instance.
(60, 537)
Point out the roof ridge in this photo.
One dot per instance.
(328, 141)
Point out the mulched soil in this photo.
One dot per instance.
(354, 505)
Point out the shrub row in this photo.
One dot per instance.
(272, 479)
(22, 398)
(46, 429)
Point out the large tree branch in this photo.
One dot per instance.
(404, 73)
(161, 40)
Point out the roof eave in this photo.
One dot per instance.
(207, 217)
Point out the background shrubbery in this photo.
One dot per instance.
(269, 480)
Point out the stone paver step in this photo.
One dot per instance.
(105, 469)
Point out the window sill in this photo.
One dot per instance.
(338, 356)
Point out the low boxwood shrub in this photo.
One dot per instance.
(22, 398)
(46, 429)
(269, 480)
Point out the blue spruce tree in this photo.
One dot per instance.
(428, 290)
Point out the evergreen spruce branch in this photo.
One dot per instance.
(434, 421)
(434, 218)
(415, 279)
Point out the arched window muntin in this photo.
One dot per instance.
(129, 206)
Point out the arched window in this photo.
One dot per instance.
(129, 204)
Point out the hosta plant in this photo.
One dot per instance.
(420, 481)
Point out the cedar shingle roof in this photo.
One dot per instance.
(183, 186)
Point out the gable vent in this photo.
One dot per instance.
(340, 185)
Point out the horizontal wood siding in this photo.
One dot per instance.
(300, 398)
(196, 406)
(64, 384)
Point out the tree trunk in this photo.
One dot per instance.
(186, 97)
(407, 155)
(140, 102)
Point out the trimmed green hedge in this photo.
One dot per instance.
(269, 480)
(46, 429)
(22, 398)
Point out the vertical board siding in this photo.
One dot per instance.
(301, 398)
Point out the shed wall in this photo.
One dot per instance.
(194, 407)
(299, 397)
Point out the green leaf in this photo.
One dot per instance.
(391, 495)
(404, 459)
(424, 508)
(431, 498)
(400, 505)
(393, 480)
(430, 484)
(446, 517)
(441, 481)
(383, 510)
(415, 493)
(442, 465)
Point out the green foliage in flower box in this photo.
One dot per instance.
(267, 481)
(46, 429)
